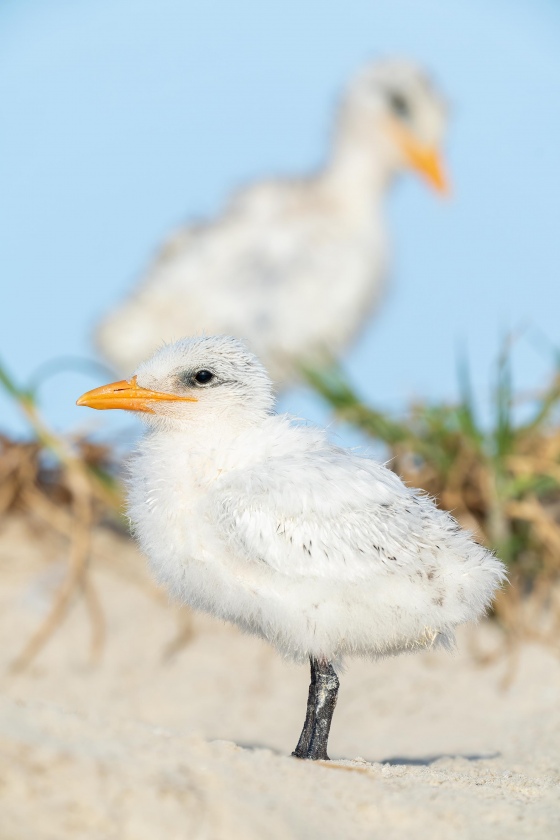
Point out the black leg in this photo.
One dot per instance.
(323, 691)
(305, 737)
(326, 692)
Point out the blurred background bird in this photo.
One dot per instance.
(294, 266)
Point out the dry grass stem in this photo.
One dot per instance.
(68, 486)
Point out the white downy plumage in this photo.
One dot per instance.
(263, 522)
(296, 266)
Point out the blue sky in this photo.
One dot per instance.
(121, 118)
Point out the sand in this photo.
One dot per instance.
(196, 745)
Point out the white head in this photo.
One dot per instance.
(394, 102)
(196, 381)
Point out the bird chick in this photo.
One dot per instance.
(261, 521)
(293, 266)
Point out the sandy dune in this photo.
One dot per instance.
(196, 745)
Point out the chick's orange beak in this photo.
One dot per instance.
(424, 159)
(127, 395)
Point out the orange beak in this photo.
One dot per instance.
(127, 395)
(424, 159)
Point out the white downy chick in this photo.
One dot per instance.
(295, 267)
(260, 521)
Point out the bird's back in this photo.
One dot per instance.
(283, 268)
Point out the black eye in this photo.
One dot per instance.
(399, 105)
(203, 377)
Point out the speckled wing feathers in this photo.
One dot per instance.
(331, 517)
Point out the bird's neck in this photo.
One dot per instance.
(359, 171)
(200, 453)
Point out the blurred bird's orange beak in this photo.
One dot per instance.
(127, 395)
(424, 159)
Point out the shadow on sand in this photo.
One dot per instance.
(399, 760)
(395, 761)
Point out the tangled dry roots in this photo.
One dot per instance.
(69, 498)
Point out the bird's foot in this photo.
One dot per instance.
(317, 754)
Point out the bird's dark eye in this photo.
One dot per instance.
(203, 377)
(399, 105)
